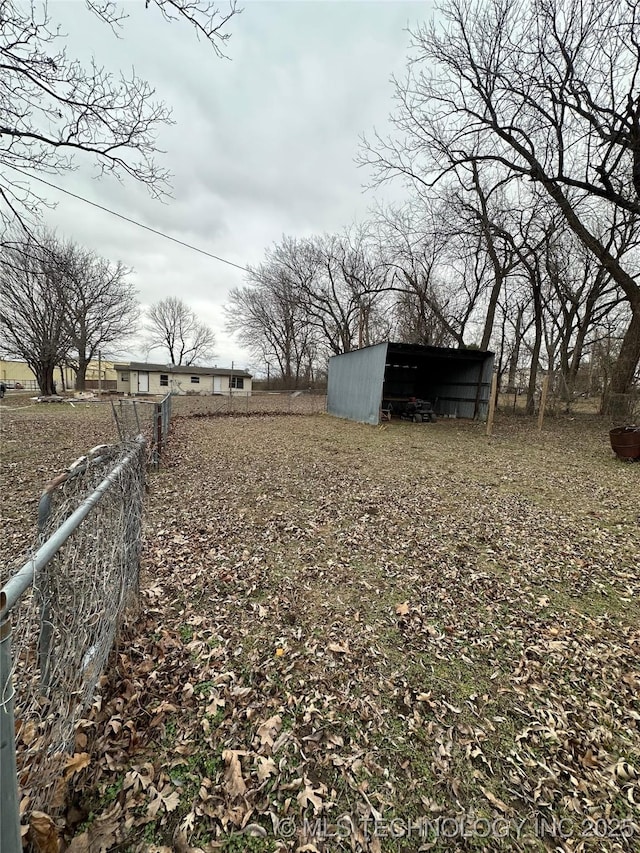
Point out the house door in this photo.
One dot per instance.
(217, 384)
(143, 382)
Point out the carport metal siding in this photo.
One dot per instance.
(465, 390)
(355, 384)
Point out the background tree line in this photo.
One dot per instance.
(517, 139)
(61, 305)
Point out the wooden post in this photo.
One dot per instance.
(492, 402)
(543, 401)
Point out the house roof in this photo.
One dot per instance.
(190, 370)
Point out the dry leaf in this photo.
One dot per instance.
(498, 803)
(266, 767)
(28, 732)
(79, 844)
(171, 801)
(76, 763)
(103, 832)
(43, 833)
(403, 609)
(268, 731)
(234, 782)
(165, 799)
(309, 796)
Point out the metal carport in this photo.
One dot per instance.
(456, 381)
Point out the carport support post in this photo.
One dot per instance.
(543, 401)
(492, 402)
(9, 807)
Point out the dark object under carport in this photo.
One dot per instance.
(457, 382)
(419, 411)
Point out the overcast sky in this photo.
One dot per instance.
(263, 144)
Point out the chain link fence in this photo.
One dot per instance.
(151, 419)
(622, 409)
(81, 579)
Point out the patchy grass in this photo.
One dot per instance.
(346, 626)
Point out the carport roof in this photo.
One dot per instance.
(398, 349)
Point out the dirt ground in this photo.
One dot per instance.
(406, 637)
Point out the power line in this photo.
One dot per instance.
(132, 221)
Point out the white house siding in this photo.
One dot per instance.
(123, 386)
(180, 383)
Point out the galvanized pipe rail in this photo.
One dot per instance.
(162, 420)
(9, 595)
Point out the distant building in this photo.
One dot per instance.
(141, 378)
(18, 374)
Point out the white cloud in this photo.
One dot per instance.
(262, 145)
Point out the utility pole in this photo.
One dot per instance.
(99, 374)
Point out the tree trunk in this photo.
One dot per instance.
(573, 366)
(515, 355)
(491, 310)
(617, 399)
(81, 373)
(44, 372)
(535, 356)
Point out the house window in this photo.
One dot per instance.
(236, 382)
(195, 380)
(124, 377)
(164, 380)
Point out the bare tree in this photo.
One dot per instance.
(345, 301)
(101, 307)
(174, 327)
(59, 304)
(437, 282)
(32, 314)
(546, 90)
(480, 207)
(337, 280)
(52, 108)
(271, 322)
(579, 296)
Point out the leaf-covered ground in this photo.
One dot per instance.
(357, 638)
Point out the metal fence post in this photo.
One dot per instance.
(46, 626)
(166, 409)
(117, 419)
(9, 804)
(158, 432)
